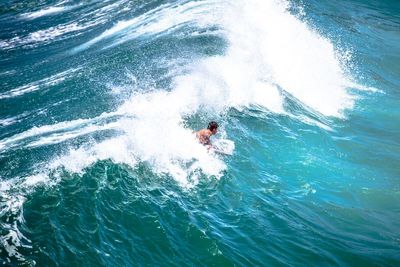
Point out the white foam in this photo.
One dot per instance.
(37, 85)
(361, 87)
(19, 91)
(222, 82)
(102, 15)
(11, 205)
(8, 73)
(57, 138)
(280, 49)
(8, 121)
(44, 36)
(12, 199)
(46, 12)
(121, 25)
(53, 32)
(15, 119)
(310, 121)
(78, 159)
(56, 133)
(153, 134)
(34, 180)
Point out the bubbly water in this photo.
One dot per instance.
(99, 164)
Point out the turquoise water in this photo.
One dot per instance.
(99, 101)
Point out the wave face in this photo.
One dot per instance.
(99, 163)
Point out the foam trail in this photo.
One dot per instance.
(8, 121)
(58, 32)
(56, 133)
(37, 85)
(57, 138)
(47, 12)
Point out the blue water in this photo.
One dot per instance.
(99, 165)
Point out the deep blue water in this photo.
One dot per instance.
(99, 165)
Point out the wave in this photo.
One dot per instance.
(277, 48)
(266, 54)
(270, 53)
(269, 48)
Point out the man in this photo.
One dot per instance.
(205, 134)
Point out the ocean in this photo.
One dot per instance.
(100, 166)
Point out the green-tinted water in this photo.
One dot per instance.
(99, 165)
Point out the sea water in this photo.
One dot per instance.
(99, 164)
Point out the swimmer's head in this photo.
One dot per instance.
(213, 127)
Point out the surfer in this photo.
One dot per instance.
(204, 135)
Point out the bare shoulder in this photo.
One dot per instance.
(201, 132)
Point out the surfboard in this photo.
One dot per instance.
(223, 146)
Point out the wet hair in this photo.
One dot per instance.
(212, 125)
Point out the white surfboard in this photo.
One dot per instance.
(223, 146)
